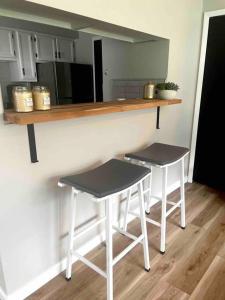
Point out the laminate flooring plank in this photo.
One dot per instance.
(192, 267)
(212, 284)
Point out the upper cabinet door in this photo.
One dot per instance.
(65, 50)
(25, 43)
(7, 45)
(45, 49)
(24, 69)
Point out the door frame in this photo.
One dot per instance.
(207, 16)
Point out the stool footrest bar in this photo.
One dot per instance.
(156, 197)
(134, 196)
(153, 222)
(146, 190)
(173, 208)
(90, 264)
(127, 249)
(129, 235)
(147, 219)
(171, 202)
(91, 226)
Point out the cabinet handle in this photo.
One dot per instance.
(23, 70)
(59, 54)
(14, 52)
(55, 54)
(36, 55)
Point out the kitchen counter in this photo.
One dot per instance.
(64, 112)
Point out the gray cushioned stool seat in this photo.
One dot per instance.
(159, 154)
(111, 177)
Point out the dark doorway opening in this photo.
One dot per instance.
(98, 70)
(209, 164)
(83, 87)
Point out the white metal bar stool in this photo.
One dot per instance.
(103, 184)
(160, 156)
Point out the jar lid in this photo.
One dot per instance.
(21, 88)
(40, 88)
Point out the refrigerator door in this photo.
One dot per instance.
(68, 83)
(64, 83)
(46, 77)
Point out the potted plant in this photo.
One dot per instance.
(167, 90)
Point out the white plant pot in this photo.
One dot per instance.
(167, 94)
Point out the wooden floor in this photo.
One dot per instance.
(193, 267)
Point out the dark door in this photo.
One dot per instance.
(209, 165)
(98, 70)
(82, 83)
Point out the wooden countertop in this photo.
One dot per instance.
(64, 112)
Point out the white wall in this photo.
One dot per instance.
(33, 214)
(115, 63)
(149, 59)
(126, 60)
(213, 4)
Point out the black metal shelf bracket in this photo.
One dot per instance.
(32, 143)
(158, 116)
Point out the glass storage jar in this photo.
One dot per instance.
(149, 91)
(41, 97)
(22, 99)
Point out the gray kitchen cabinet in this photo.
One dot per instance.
(44, 48)
(7, 45)
(24, 69)
(65, 49)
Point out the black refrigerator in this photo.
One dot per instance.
(69, 83)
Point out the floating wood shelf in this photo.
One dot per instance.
(64, 112)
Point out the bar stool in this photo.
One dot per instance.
(160, 156)
(103, 184)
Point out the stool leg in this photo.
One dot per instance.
(182, 192)
(163, 213)
(143, 226)
(127, 209)
(109, 249)
(148, 196)
(71, 234)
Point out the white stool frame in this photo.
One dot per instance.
(148, 196)
(143, 238)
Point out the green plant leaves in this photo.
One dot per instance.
(167, 86)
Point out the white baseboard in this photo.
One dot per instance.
(52, 272)
(55, 270)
